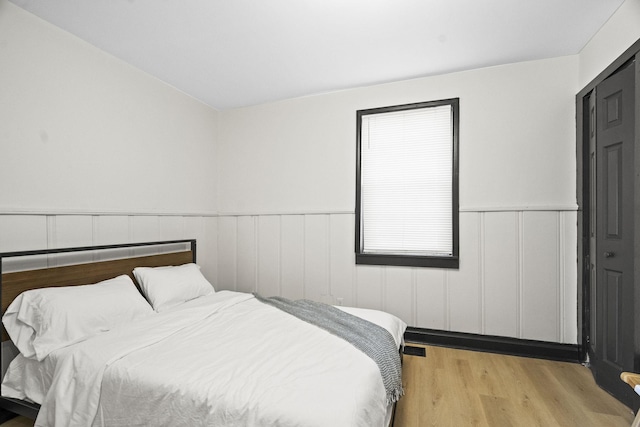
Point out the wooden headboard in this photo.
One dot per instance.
(13, 284)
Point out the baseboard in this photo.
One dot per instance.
(6, 416)
(496, 344)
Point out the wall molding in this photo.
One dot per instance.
(287, 213)
(6, 211)
(473, 209)
(527, 208)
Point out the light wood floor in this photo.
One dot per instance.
(458, 388)
(467, 388)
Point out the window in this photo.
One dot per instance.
(407, 185)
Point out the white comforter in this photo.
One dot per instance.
(222, 360)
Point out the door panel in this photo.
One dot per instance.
(613, 318)
(612, 248)
(613, 186)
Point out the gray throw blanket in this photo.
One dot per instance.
(373, 340)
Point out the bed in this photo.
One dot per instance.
(157, 356)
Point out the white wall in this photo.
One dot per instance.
(286, 202)
(94, 151)
(78, 124)
(298, 156)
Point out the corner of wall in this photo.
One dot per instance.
(615, 36)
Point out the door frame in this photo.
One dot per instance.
(584, 202)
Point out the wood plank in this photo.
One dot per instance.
(451, 387)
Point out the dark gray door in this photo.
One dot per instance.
(612, 314)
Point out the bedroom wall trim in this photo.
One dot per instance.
(496, 344)
(545, 208)
(79, 212)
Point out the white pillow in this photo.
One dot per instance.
(40, 321)
(167, 287)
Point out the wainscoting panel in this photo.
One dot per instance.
(69, 231)
(66, 231)
(568, 238)
(145, 229)
(172, 227)
(431, 304)
(516, 278)
(269, 256)
(399, 283)
(292, 256)
(342, 259)
(109, 230)
(464, 300)
(21, 232)
(517, 275)
(541, 279)
(247, 254)
(316, 257)
(227, 253)
(205, 230)
(369, 288)
(501, 279)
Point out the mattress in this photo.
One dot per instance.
(225, 359)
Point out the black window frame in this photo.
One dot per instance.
(452, 261)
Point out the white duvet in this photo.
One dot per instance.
(221, 360)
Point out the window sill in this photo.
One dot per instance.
(452, 262)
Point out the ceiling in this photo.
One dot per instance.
(235, 53)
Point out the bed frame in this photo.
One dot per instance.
(12, 284)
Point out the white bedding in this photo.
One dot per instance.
(199, 365)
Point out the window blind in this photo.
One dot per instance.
(406, 182)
